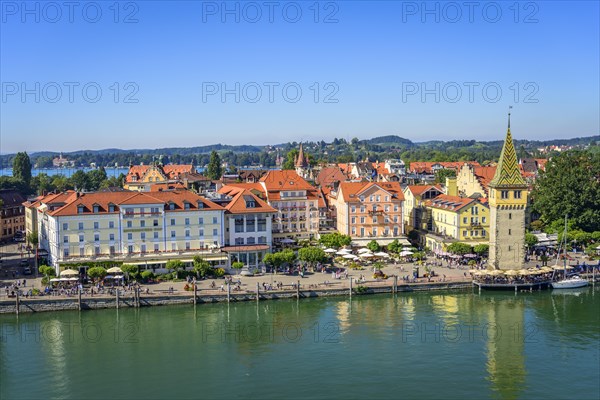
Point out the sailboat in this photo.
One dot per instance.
(568, 282)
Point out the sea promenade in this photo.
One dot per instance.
(241, 288)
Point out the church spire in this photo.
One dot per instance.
(301, 159)
(508, 172)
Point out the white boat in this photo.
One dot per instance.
(568, 282)
(571, 282)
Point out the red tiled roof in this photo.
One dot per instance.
(169, 171)
(424, 167)
(276, 181)
(104, 199)
(238, 205)
(328, 175)
(352, 190)
(380, 167)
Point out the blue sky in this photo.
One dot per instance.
(364, 69)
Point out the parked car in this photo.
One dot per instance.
(27, 271)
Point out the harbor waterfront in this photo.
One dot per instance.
(389, 346)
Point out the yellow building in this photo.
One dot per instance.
(456, 219)
(508, 202)
(415, 197)
(141, 177)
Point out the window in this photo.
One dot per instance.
(262, 239)
(262, 224)
(387, 208)
(483, 220)
(111, 208)
(362, 209)
(395, 207)
(171, 206)
(111, 224)
(173, 246)
(483, 233)
(130, 249)
(464, 220)
(387, 198)
(81, 252)
(187, 220)
(143, 248)
(187, 244)
(96, 209)
(65, 239)
(465, 233)
(374, 220)
(143, 235)
(111, 237)
(79, 209)
(250, 224)
(250, 240)
(353, 220)
(173, 234)
(129, 224)
(353, 209)
(142, 223)
(239, 224)
(80, 238)
(510, 231)
(156, 247)
(81, 226)
(353, 230)
(155, 222)
(362, 220)
(215, 232)
(172, 221)
(186, 206)
(187, 233)
(155, 235)
(215, 220)
(517, 194)
(65, 226)
(200, 220)
(504, 194)
(96, 237)
(130, 236)
(201, 232)
(371, 198)
(509, 215)
(378, 198)
(239, 241)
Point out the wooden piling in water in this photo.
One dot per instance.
(257, 291)
(350, 286)
(395, 289)
(79, 299)
(228, 292)
(297, 289)
(17, 303)
(195, 294)
(117, 297)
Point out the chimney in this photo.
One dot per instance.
(451, 187)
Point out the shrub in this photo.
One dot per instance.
(360, 289)
(219, 272)
(237, 265)
(147, 275)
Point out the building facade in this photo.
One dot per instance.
(134, 228)
(369, 210)
(141, 177)
(12, 214)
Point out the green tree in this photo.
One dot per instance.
(131, 271)
(202, 267)
(312, 255)
(175, 266)
(290, 159)
(214, 169)
(80, 180)
(61, 183)
(394, 247)
(442, 174)
(530, 240)
(47, 271)
(335, 240)
(96, 273)
(570, 185)
(22, 167)
(481, 249)
(459, 248)
(237, 265)
(96, 178)
(373, 246)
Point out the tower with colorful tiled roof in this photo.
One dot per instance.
(508, 200)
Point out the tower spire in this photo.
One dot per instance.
(509, 108)
(507, 171)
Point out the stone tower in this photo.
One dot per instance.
(508, 200)
(301, 163)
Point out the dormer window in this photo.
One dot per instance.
(80, 209)
(96, 208)
(200, 204)
(251, 204)
(171, 206)
(111, 208)
(186, 206)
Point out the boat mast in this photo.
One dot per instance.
(565, 248)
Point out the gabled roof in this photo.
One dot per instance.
(454, 203)
(11, 198)
(352, 190)
(277, 180)
(418, 190)
(425, 167)
(329, 175)
(239, 204)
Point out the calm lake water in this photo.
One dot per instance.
(428, 345)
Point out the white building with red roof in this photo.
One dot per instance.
(146, 229)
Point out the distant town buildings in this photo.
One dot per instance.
(12, 214)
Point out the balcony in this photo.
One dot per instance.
(375, 212)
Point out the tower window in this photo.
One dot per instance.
(517, 194)
(509, 215)
(510, 231)
(504, 194)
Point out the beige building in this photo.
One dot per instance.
(369, 210)
(141, 178)
(415, 196)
